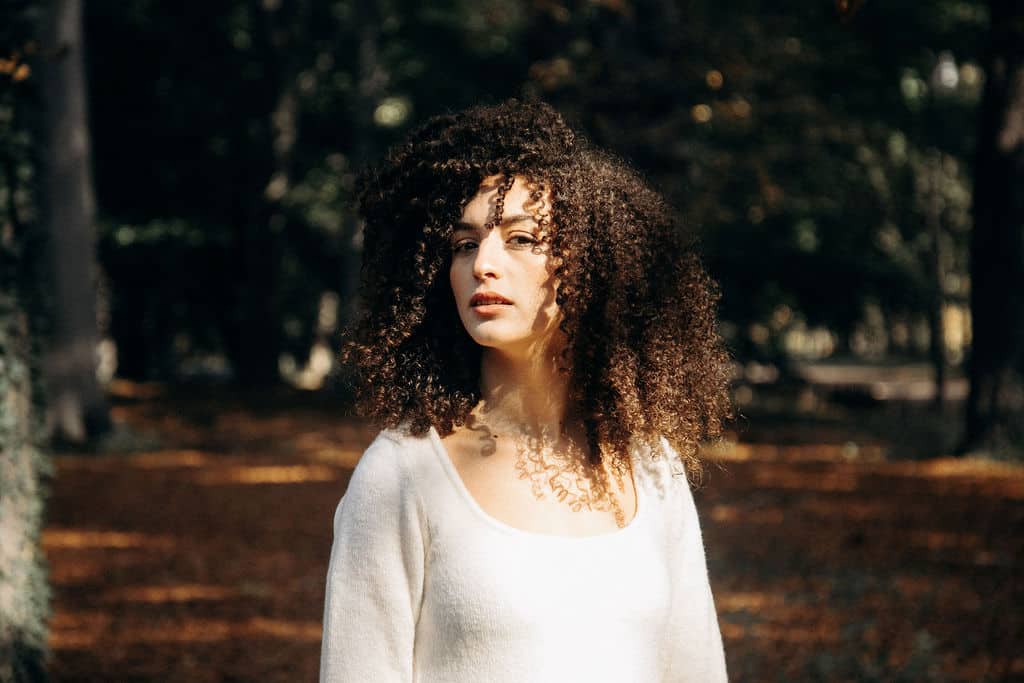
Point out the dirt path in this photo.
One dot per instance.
(204, 559)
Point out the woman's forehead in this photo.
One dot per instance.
(519, 200)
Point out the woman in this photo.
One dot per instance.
(539, 345)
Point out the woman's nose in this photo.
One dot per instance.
(488, 257)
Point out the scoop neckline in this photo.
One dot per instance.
(453, 475)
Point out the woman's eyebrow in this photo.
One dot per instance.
(506, 220)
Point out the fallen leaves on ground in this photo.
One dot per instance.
(203, 559)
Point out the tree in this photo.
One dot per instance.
(77, 407)
(995, 406)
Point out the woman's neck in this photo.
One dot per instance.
(526, 392)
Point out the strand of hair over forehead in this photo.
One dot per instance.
(499, 200)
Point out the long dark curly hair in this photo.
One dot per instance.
(644, 357)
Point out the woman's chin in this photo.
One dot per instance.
(498, 337)
(494, 340)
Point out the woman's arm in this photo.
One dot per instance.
(695, 641)
(375, 576)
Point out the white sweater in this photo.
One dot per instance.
(424, 586)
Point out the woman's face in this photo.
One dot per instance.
(503, 277)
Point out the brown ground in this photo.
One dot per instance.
(200, 556)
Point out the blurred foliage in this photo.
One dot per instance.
(800, 145)
(245, 122)
(18, 103)
(24, 465)
(814, 153)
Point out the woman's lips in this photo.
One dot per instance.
(489, 309)
(481, 300)
(488, 303)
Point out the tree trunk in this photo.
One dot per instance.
(937, 334)
(77, 408)
(995, 406)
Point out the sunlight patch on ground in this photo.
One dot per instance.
(181, 631)
(732, 513)
(77, 630)
(997, 479)
(171, 459)
(820, 634)
(974, 467)
(745, 601)
(938, 591)
(849, 510)
(85, 630)
(327, 448)
(847, 452)
(290, 630)
(175, 593)
(732, 631)
(146, 461)
(81, 570)
(944, 540)
(838, 480)
(336, 456)
(268, 474)
(283, 427)
(78, 538)
(313, 440)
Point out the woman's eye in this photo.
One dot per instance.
(465, 245)
(523, 240)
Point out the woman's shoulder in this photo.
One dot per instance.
(382, 500)
(395, 447)
(660, 468)
(395, 460)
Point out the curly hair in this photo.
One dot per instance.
(643, 354)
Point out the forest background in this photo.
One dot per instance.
(177, 244)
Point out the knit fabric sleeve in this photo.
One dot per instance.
(696, 652)
(375, 575)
